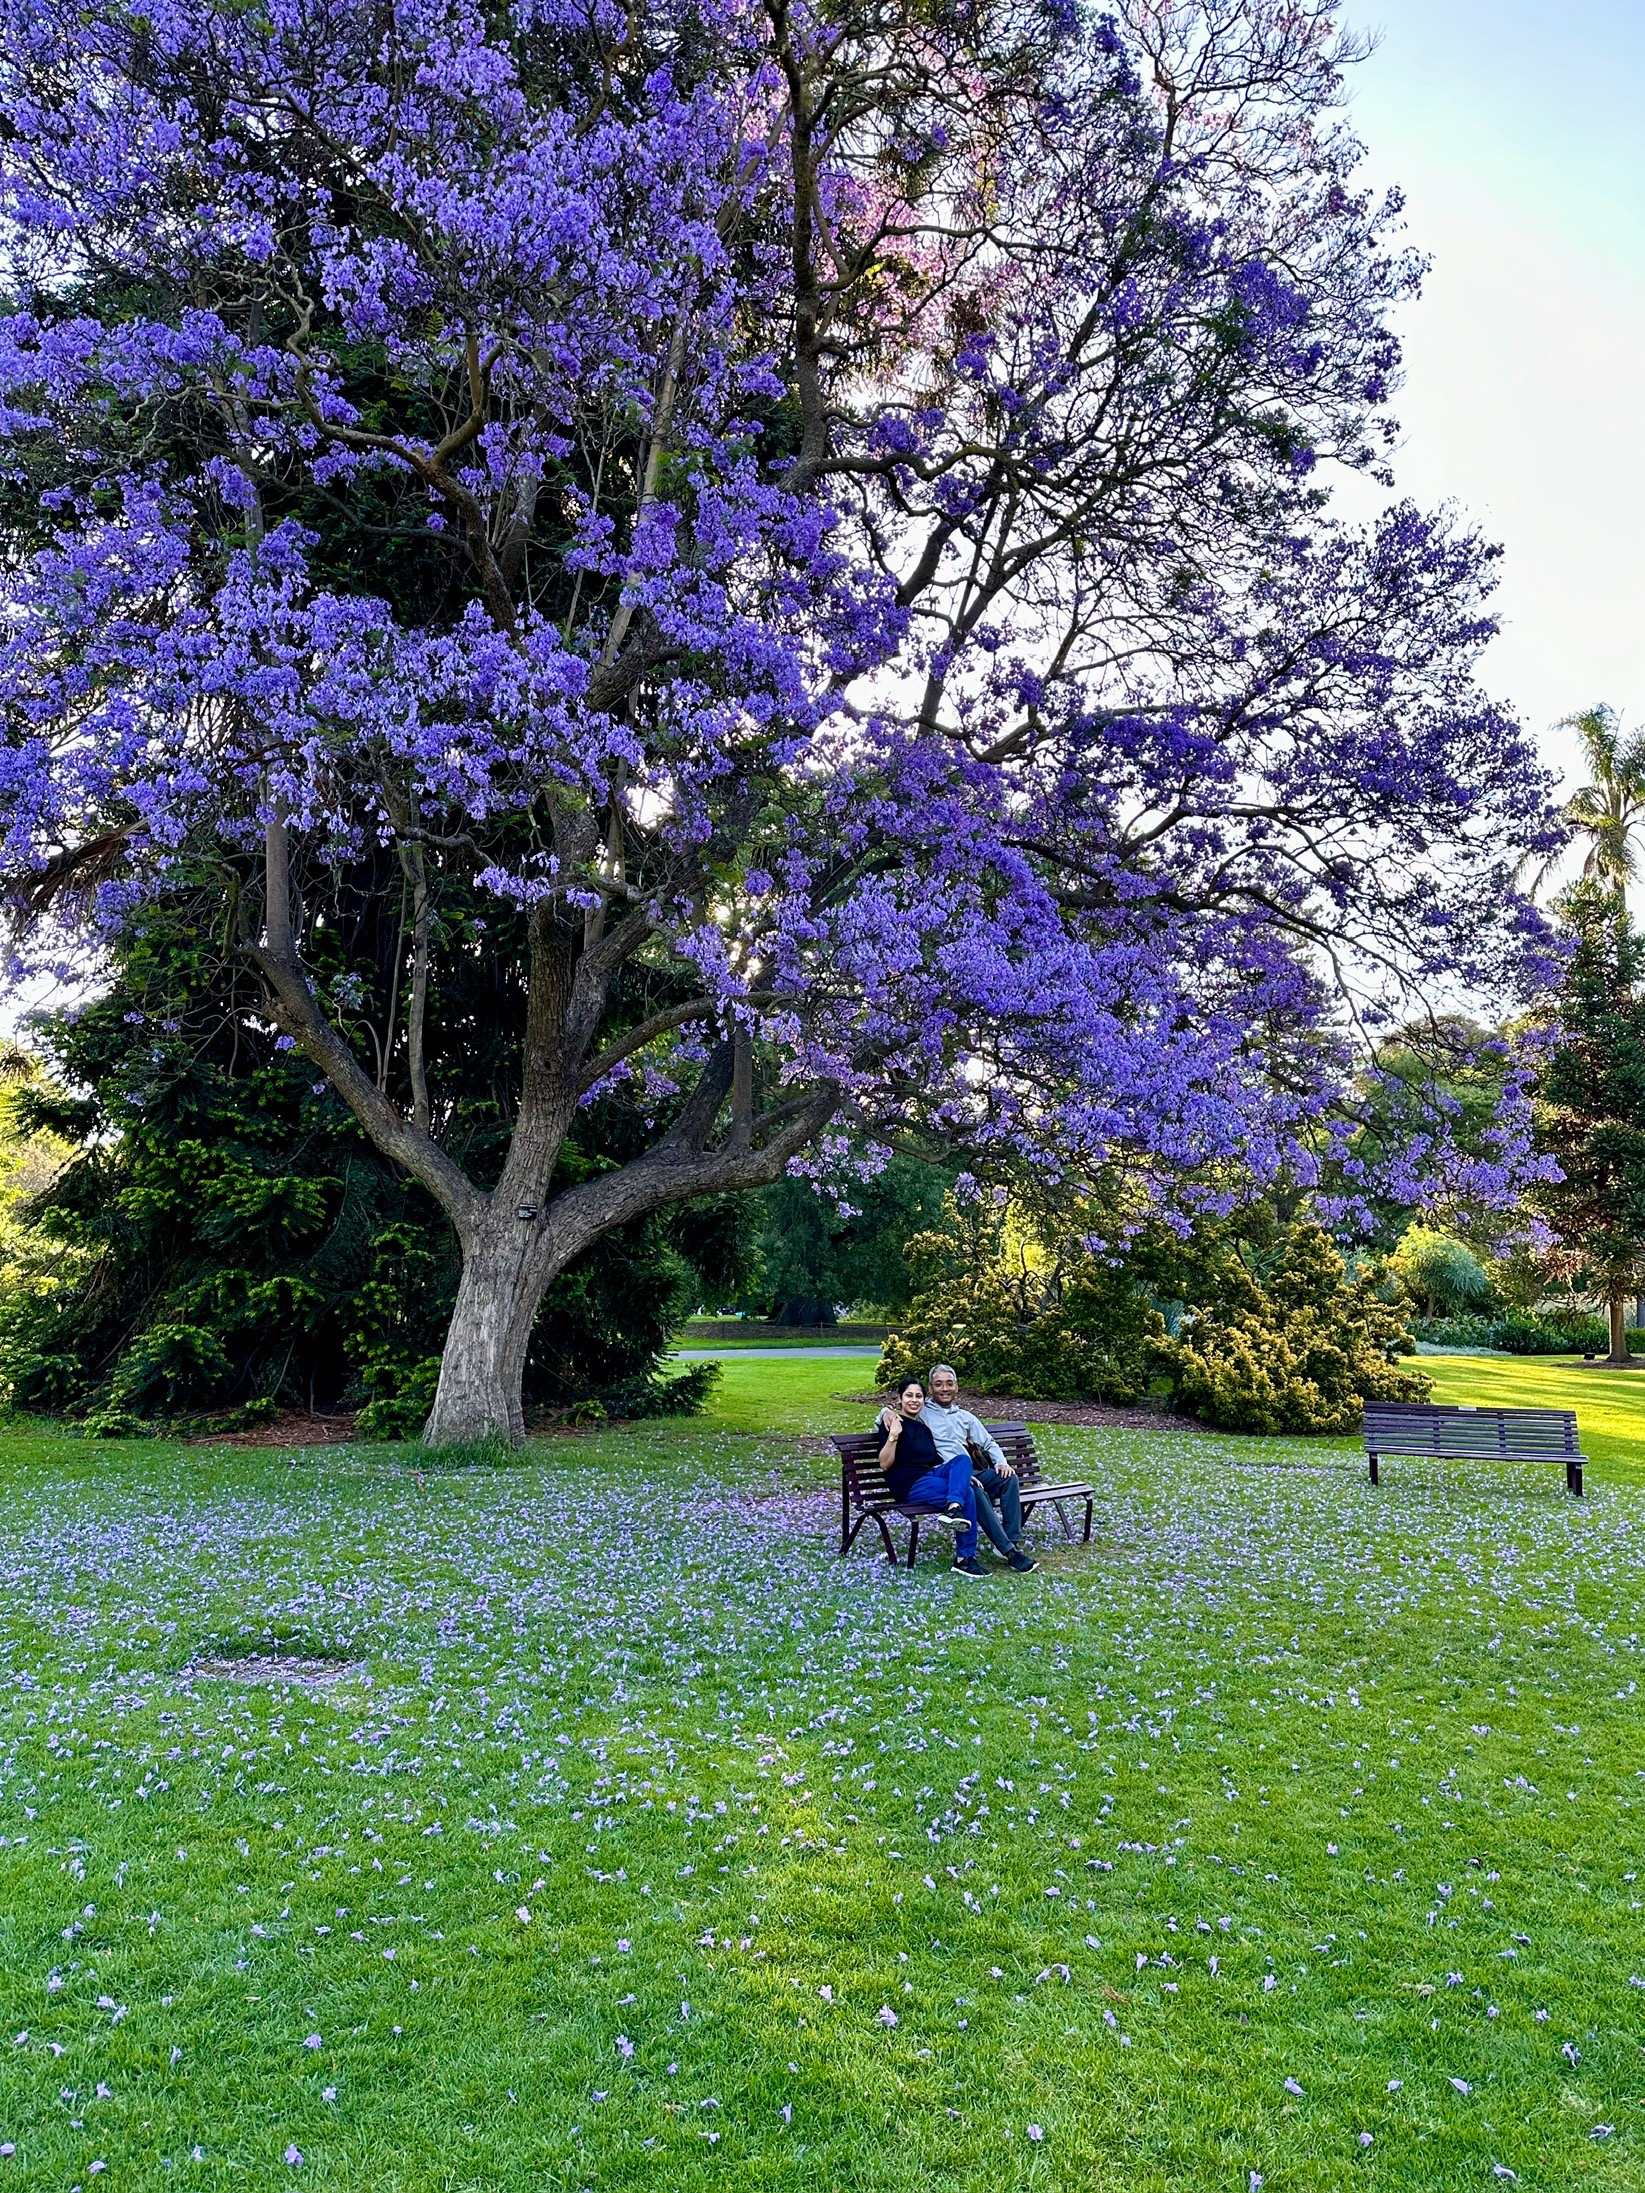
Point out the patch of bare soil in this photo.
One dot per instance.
(293, 1428)
(304, 1670)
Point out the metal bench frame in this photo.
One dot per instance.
(866, 1498)
(1442, 1429)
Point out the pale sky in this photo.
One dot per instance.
(1517, 131)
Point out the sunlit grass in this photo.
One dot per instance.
(1609, 1405)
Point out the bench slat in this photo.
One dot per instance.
(1447, 1431)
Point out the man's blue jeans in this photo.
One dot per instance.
(953, 1482)
(1001, 1486)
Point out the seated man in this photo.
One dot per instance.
(956, 1432)
(914, 1472)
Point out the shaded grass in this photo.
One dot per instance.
(1347, 1742)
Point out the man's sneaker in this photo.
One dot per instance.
(967, 1564)
(955, 1507)
(1020, 1561)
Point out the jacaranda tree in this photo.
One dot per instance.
(856, 473)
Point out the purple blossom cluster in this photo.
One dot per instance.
(866, 486)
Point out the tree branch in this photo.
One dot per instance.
(297, 1012)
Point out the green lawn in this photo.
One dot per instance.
(790, 1394)
(1286, 1834)
(1609, 1405)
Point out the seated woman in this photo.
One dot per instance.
(914, 1472)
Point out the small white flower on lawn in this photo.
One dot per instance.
(625, 2047)
(313, 2041)
(1394, 2085)
(1462, 2086)
(522, 1912)
(1269, 1983)
(886, 2015)
(787, 2112)
(1600, 2132)
(1365, 2139)
(1291, 2087)
(1036, 2132)
(1501, 2170)
(294, 2155)
(624, 1948)
(1256, 2181)
(328, 2093)
(826, 1992)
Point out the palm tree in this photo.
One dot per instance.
(1608, 809)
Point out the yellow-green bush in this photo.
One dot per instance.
(1301, 1352)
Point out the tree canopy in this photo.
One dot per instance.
(855, 584)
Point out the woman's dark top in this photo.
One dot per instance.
(916, 1454)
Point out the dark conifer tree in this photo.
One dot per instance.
(1591, 1116)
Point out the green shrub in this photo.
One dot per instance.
(1301, 1352)
(681, 1395)
(1442, 1274)
(1013, 1319)
(1569, 1335)
(1458, 1332)
(168, 1368)
(402, 1395)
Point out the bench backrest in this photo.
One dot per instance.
(864, 1480)
(1522, 1435)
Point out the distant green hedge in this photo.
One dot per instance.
(1522, 1334)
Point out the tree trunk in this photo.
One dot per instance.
(483, 1363)
(1619, 1328)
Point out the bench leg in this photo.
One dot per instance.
(848, 1533)
(1086, 1540)
(1375, 1478)
(1573, 1478)
(1062, 1518)
(913, 1538)
(886, 1540)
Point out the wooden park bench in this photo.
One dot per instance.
(866, 1498)
(1503, 1435)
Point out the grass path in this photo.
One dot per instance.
(1290, 1830)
